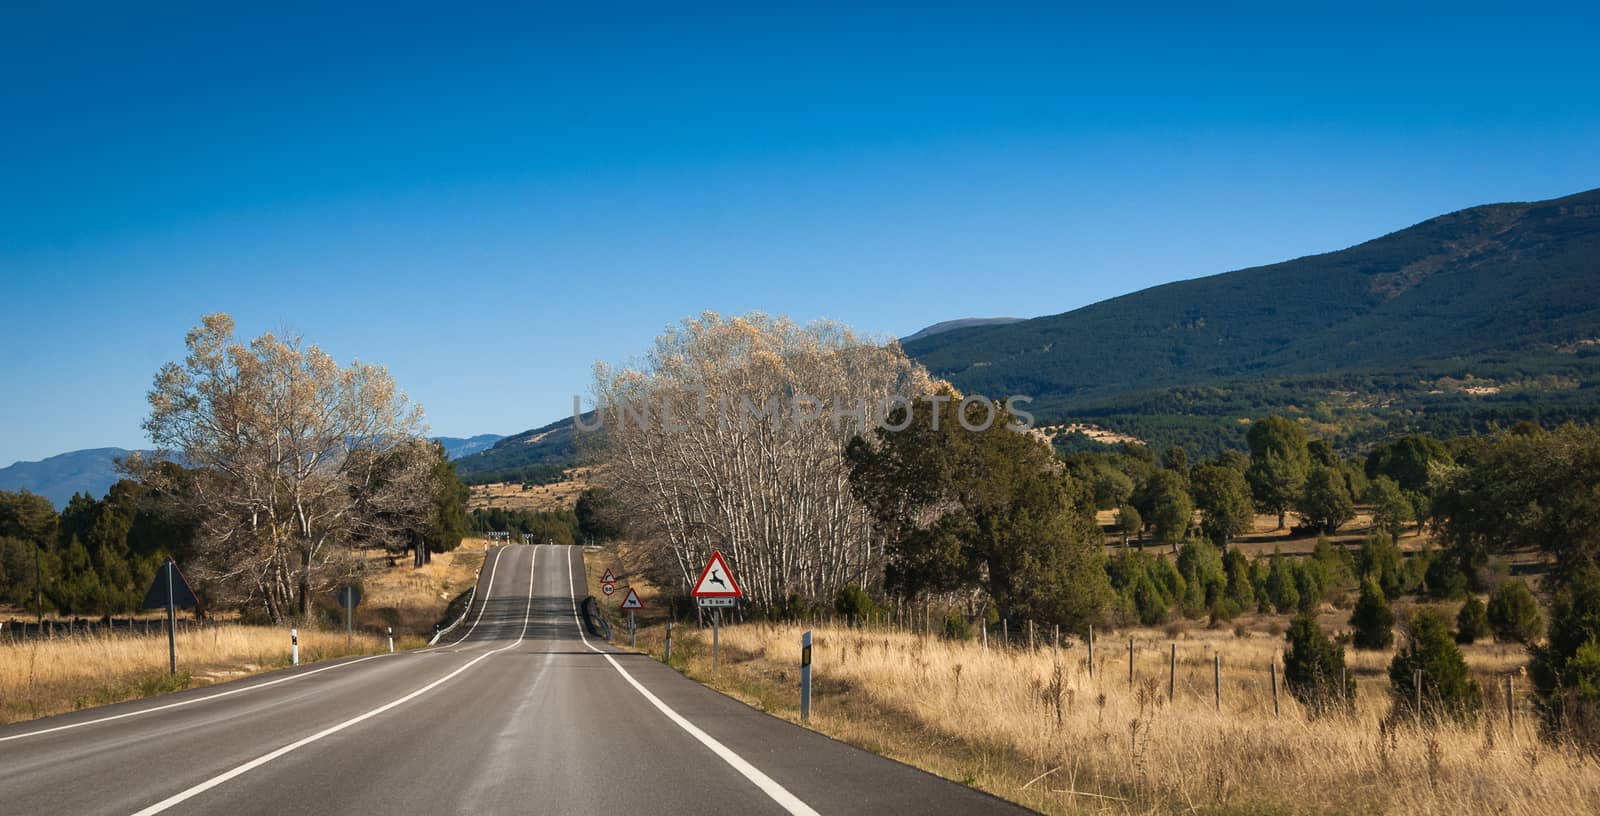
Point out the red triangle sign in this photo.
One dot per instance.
(608, 578)
(632, 601)
(716, 580)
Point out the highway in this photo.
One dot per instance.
(516, 711)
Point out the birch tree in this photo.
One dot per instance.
(292, 459)
(730, 436)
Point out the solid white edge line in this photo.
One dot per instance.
(190, 793)
(487, 591)
(181, 703)
(771, 788)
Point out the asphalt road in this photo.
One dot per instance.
(517, 711)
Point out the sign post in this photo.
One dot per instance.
(632, 603)
(716, 589)
(349, 597)
(805, 677)
(170, 590)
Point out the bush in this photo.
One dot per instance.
(1313, 669)
(1566, 671)
(1514, 614)
(853, 603)
(1282, 584)
(1379, 560)
(956, 626)
(1372, 621)
(1472, 622)
(1448, 690)
(1445, 578)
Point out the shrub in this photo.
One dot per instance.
(1445, 578)
(1282, 586)
(853, 603)
(1313, 668)
(1241, 587)
(1372, 621)
(1448, 690)
(1566, 670)
(956, 626)
(1514, 613)
(1472, 622)
(1379, 560)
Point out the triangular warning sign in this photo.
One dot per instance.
(632, 601)
(608, 578)
(716, 581)
(169, 585)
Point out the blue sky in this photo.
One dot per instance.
(487, 203)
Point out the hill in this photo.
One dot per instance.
(1487, 313)
(91, 471)
(538, 456)
(456, 447)
(960, 323)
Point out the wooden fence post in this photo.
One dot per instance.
(1216, 679)
(1172, 672)
(1091, 651)
(1130, 662)
(1509, 709)
(1273, 667)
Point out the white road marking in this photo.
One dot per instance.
(777, 792)
(229, 693)
(190, 793)
(182, 703)
(487, 591)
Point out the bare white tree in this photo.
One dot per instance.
(731, 436)
(293, 459)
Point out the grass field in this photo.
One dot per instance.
(1035, 726)
(561, 495)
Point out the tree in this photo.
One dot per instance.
(1448, 690)
(447, 524)
(1325, 500)
(1379, 559)
(1392, 510)
(1313, 669)
(1283, 585)
(1513, 614)
(1241, 581)
(291, 457)
(1566, 670)
(731, 436)
(1409, 462)
(1164, 502)
(1176, 459)
(1279, 461)
(1222, 496)
(597, 515)
(1129, 522)
(1372, 622)
(1472, 622)
(1200, 564)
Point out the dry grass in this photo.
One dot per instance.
(561, 495)
(1036, 728)
(43, 677)
(411, 600)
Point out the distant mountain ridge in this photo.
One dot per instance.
(94, 470)
(1504, 286)
(960, 323)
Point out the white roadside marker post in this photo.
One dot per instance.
(668, 658)
(391, 640)
(805, 677)
(294, 646)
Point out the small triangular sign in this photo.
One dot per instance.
(716, 580)
(608, 578)
(169, 583)
(632, 601)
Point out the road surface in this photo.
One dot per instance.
(517, 711)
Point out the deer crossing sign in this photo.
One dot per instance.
(716, 580)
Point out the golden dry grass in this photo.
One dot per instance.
(412, 599)
(989, 718)
(561, 495)
(43, 677)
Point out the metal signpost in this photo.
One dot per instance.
(349, 597)
(631, 603)
(716, 589)
(171, 591)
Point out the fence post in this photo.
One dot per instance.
(1130, 662)
(1273, 668)
(1172, 672)
(1416, 681)
(1057, 636)
(1030, 635)
(668, 658)
(1216, 679)
(805, 677)
(984, 627)
(1005, 633)
(1091, 651)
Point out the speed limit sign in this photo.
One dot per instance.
(608, 588)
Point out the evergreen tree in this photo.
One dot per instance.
(1313, 668)
(1566, 670)
(1513, 613)
(1372, 621)
(1222, 495)
(1379, 559)
(1279, 461)
(1283, 585)
(1472, 622)
(1448, 690)
(1325, 500)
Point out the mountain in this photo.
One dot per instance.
(961, 323)
(94, 471)
(91, 471)
(537, 455)
(456, 447)
(1505, 295)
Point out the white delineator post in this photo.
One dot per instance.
(294, 646)
(805, 676)
(391, 640)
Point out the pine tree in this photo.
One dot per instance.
(1313, 668)
(1448, 690)
(1372, 620)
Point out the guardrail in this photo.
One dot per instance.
(472, 593)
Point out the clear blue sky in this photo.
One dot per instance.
(488, 203)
